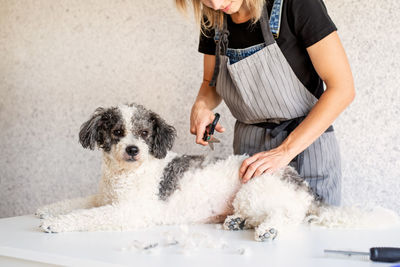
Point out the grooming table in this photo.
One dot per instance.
(22, 244)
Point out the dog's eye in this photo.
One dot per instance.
(118, 132)
(144, 133)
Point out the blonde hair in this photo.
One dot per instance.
(209, 18)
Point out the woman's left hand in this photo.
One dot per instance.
(264, 162)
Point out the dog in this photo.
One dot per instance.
(144, 184)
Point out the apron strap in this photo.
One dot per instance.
(265, 27)
(221, 45)
(221, 40)
(275, 18)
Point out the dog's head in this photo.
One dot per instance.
(128, 133)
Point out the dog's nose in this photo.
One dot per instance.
(132, 150)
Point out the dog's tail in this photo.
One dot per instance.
(352, 217)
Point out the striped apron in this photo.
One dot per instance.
(269, 101)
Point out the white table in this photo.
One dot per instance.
(22, 244)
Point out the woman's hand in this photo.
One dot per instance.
(207, 99)
(200, 118)
(264, 162)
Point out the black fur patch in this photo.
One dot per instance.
(290, 175)
(100, 128)
(174, 171)
(161, 136)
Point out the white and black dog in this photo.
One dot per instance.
(144, 184)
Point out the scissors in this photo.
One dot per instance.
(208, 136)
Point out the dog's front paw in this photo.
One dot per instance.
(42, 213)
(45, 212)
(53, 225)
(47, 228)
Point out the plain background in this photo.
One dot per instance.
(60, 60)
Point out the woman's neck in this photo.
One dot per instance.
(242, 15)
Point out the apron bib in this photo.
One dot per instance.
(268, 100)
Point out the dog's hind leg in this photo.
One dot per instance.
(235, 222)
(276, 220)
(66, 206)
(265, 232)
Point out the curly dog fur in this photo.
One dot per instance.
(144, 184)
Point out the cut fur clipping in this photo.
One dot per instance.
(144, 184)
(186, 241)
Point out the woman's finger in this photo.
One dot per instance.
(262, 169)
(251, 169)
(245, 165)
(199, 135)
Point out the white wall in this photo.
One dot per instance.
(62, 59)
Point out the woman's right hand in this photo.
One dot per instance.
(207, 99)
(200, 118)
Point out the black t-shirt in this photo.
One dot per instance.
(303, 23)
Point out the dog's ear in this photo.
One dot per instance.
(163, 136)
(89, 134)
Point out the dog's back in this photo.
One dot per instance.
(205, 193)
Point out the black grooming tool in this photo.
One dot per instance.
(380, 254)
(208, 135)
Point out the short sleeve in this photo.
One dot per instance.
(311, 22)
(206, 43)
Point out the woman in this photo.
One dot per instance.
(268, 60)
